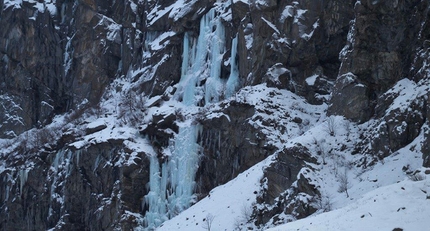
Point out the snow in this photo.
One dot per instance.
(311, 80)
(15, 4)
(40, 6)
(181, 8)
(300, 15)
(288, 12)
(377, 194)
(157, 13)
(271, 25)
(406, 91)
(161, 41)
(400, 205)
(380, 198)
(228, 203)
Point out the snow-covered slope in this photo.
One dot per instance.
(404, 205)
(392, 193)
(381, 198)
(228, 205)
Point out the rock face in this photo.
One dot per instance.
(378, 52)
(302, 36)
(230, 143)
(70, 189)
(65, 64)
(279, 197)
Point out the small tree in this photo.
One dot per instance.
(347, 125)
(323, 203)
(344, 183)
(320, 148)
(331, 125)
(207, 221)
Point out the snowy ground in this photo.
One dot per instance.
(400, 205)
(229, 204)
(382, 197)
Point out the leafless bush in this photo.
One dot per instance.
(331, 125)
(132, 107)
(347, 124)
(320, 148)
(344, 183)
(207, 221)
(76, 114)
(23, 144)
(6, 144)
(44, 136)
(240, 221)
(323, 203)
(417, 176)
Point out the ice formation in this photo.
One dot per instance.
(172, 183)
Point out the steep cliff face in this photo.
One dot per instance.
(122, 114)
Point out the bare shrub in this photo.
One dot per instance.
(132, 107)
(244, 217)
(347, 124)
(321, 150)
(417, 176)
(323, 203)
(207, 221)
(44, 136)
(76, 114)
(344, 183)
(331, 126)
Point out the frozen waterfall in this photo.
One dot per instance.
(172, 183)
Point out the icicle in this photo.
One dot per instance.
(57, 165)
(68, 55)
(214, 85)
(233, 79)
(96, 163)
(182, 169)
(78, 156)
(195, 67)
(155, 199)
(23, 176)
(58, 158)
(7, 188)
(150, 36)
(68, 162)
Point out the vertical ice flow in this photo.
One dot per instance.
(172, 183)
(214, 85)
(155, 199)
(233, 80)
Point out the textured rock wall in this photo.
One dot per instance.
(54, 57)
(380, 51)
(302, 36)
(229, 142)
(75, 190)
(52, 61)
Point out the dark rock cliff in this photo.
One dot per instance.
(87, 59)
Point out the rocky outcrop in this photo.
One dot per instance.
(30, 69)
(304, 37)
(351, 98)
(378, 53)
(94, 189)
(231, 143)
(57, 55)
(288, 188)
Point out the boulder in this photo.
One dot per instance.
(350, 98)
